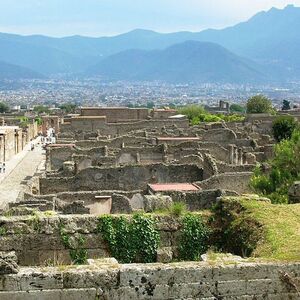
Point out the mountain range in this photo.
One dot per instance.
(265, 48)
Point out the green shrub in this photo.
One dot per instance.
(285, 169)
(259, 104)
(130, 241)
(194, 238)
(237, 108)
(75, 245)
(178, 209)
(197, 114)
(283, 127)
(234, 230)
(192, 111)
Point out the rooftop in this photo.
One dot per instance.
(166, 187)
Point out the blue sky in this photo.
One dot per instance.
(110, 17)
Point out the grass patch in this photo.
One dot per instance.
(281, 224)
(250, 227)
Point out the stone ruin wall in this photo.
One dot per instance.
(37, 240)
(121, 178)
(184, 281)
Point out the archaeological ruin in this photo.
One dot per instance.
(139, 204)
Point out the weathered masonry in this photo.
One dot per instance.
(109, 280)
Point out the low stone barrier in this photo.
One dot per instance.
(196, 280)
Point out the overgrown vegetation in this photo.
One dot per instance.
(41, 109)
(75, 245)
(283, 127)
(3, 107)
(194, 237)
(197, 114)
(134, 240)
(68, 107)
(236, 108)
(177, 209)
(234, 230)
(286, 105)
(249, 227)
(259, 104)
(285, 169)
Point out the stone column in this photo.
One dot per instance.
(138, 158)
(105, 152)
(240, 156)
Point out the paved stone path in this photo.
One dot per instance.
(22, 165)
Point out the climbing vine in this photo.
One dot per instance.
(75, 245)
(194, 237)
(134, 240)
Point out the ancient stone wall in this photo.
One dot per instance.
(122, 178)
(103, 280)
(117, 114)
(238, 182)
(37, 239)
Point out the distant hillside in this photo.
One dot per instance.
(9, 71)
(186, 62)
(40, 58)
(270, 38)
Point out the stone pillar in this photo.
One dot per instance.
(138, 158)
(231, 154)
(236, 156)
(105, 151)
(240, 156)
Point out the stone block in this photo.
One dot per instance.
(8, 263)
(164, 255)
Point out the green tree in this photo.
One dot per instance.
(3, 107)
(192, 111)
(150, 104)
(41, 109)
(237, 108)
(283, 127)
(286, 105)
(259, 104)
(285, 169)
(68, 107)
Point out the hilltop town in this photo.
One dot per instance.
(138, 203)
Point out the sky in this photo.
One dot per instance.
(110, 17)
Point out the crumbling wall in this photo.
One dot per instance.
(238, 182)
(37, 239)
(122, 178)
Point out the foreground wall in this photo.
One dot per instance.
(37, 240)
(207, 281)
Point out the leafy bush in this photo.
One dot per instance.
(197, 114)
(194, 238)
(75, 245)
(236, 108)
(130, 241)
(234, 230)
(285, 169)
(286, 105)
(177, 209)
(68, 107)
(259, 104)
(192, 111)
(41, 109)
(3, 107)
(283, 127)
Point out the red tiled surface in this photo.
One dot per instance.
(162, 187)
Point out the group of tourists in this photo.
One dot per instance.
(2, 167)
